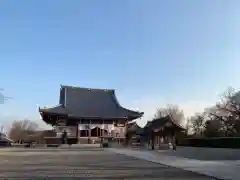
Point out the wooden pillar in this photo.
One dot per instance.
(161, 137)
(100, 131)
(90, 128)
(152, 139)
(103, 129)
(76, 133)
(89, 131)
(125, 131)
(79, 131)
(97, 130)
(114, 129)
(173, 139)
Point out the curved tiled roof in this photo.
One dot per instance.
(155, 124)
(91, 103)
(59, 109)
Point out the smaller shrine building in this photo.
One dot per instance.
(160, 131)
(87, 113)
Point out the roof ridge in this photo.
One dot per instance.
(92, 89)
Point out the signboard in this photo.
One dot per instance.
(119, 124)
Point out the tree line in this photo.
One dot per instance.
(220, 120)
(21, 130)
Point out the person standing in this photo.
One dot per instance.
(64, 137)
(174, 146)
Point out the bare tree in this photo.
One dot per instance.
(173, 110)
(223, 119)
(229, 112)
(213, 128)
(230, 102)
(188, 126)
(160, 113)
(21, 129)
(197, 124)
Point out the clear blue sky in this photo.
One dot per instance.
(152, 52)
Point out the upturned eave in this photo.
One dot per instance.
(53, 110)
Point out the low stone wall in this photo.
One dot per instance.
(52, 140)
(202, 153)
(86, 140)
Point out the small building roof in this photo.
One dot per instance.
(90, 103)
(159, 123)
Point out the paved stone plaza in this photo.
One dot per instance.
(83, 164)
(206, 154)
(222, 169)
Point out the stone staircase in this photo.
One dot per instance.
(135, 143)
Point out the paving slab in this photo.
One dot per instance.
(218, 169)
(78, 164)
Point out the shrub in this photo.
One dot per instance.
(4, 143)
(52, 145)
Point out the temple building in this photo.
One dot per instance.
(87, 113)
(161, 131)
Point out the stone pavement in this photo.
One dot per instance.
(222, 169)
(85, 163)
(202, 153)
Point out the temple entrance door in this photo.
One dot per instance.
(89, 132)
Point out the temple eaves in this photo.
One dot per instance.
(90, 103)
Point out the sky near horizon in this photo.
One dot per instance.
(152, 52)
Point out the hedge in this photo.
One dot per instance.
(52, 145)
(4, 143)
(218, 142)
(105, 145)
